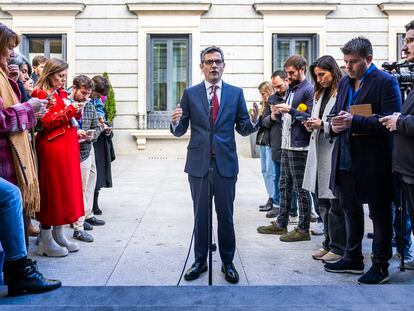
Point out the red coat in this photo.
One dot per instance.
(61, 197)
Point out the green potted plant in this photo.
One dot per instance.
(110, 102)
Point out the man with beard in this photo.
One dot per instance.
(295, 141)
(361, 159)
(89, 132)
(229, 112)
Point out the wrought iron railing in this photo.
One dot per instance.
(158, 120)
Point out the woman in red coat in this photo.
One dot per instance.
(57, 146)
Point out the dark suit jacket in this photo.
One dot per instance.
(232, 115)
(403, 155)
(371, 148)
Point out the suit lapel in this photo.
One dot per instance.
(222, 100)
(344, 101)
(368, 83)
(203, 96)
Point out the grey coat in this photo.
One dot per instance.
(318, 164)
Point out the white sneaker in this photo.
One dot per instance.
(409, 264)
(293, 219)
(317, 229)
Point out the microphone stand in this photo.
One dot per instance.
(211, 245)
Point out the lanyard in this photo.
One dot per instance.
(352, 94)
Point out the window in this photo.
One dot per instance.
(47, 45)
(168, 76)
(400, 43)
(285, 45)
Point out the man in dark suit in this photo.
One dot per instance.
(229, 112)
(361, 160)
(402, 125)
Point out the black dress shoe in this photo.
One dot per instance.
(230, 272)
(27, 279)
(87, 226)
(95, 221)
(196, 269)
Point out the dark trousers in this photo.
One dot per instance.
(333, 225)
(291, 178)
(381, 216)
(224, 193)
(409, 198)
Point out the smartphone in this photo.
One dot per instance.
(331, 115)
(90, 132)
(379, 116)
(301, 118)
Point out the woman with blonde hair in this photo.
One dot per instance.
(263, 140)
(59, 163)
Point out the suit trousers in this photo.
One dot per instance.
(333, 225)
(223, 197)
(381, 216)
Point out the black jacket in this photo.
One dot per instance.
(370, 142)
(263, 134)
(274, 127)
(403, 152)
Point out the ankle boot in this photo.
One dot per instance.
(60, 238)
(26, 278)
(48, 247)
(32, 230)
(95, 208)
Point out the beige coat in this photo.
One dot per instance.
(318, 163)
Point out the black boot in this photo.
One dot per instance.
(25, 278)
(96, 210)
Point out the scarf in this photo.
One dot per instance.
(22, 154)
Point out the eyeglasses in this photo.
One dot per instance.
(210, 62)
(408, 40)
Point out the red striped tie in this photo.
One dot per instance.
(215, 101)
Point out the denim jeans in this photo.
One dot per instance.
(1, 265)
(276, 196)
(268, 170)
(397, 230)
(11, 221)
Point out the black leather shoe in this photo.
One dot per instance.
(95, 221)
(87, 226)
(230, 272)
(28, 280)
(196, 269)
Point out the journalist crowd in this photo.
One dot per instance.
(55, 156)
(330, 145)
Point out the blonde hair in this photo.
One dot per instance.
(265, 87)
(52, 66)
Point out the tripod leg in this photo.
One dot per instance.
(403, 210)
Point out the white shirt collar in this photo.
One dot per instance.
(208, 84)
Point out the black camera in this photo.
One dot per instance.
(403, 71)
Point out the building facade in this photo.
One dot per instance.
(150, 49)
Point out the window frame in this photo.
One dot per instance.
(169, 38)
(47, 37)
(313, 49)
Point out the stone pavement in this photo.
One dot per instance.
(149, 225)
